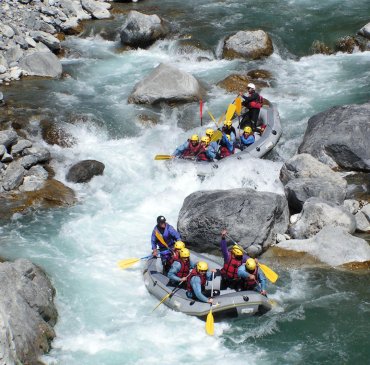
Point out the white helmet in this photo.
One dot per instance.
(252, 86)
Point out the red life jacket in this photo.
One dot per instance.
(202, 156)
(192, 150)
(249, 283)
(203, 280)
(256, 104)
(230, 268)
(185, 268)
(175, 256)
(224, 152)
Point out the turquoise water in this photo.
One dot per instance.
(105, 313)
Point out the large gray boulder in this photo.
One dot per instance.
(42, 63)
(365, 31)
(252, 218)
(84, 171)
(316, 214)
(248, 44)
(27, 313)
(305, 177)
(340, 137)
(332, 245)
(169, 84)
(141, 30)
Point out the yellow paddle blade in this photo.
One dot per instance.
(210, 324)
(163, 157)
(238, 105)
(269, 273)
(124, 264)
(216, 136)
(230, 111)
(220, 119)
(160, 239)
(212, 117)
(163, 299)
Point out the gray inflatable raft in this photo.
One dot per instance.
(229, 304)
(270, 117)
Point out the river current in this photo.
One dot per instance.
(323, 316)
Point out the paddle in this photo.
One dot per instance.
(169, 295)
(269, 273)
(210, 322)
(238, 105)
(164, 157)
(161, 240)
(124, 264)
(216, 136)
(201, 111)
(230, 112)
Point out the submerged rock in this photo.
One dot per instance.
(252, 218)
(27, 313)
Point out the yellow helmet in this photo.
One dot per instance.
(237, 251)
(209, 132)
(184, 253)
(248, 130)
(195, 138)
(250, 264)
(179, 245)
(228, 123)
(202, 266)
(205, 139)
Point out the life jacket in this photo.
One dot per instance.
(185, 268)
(224, 152)
(192, 150)
(202, 156)
(228, 131)
(174, 257)
(203, 280)
(230, 268)
(256, 104)
(249, 283)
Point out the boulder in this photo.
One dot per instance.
(141, 30)
(98, 9)
(299, 190)
(249, 44)
(49, 40)
(340, 137)
(365, 31)
(27, 313)
(8, 138)
(316, 214)
(333, 246)
(169, 84)
(41, 64)
(13, 176)
(252, 218)
(53, 133)
(362, 223)
(20, 146)
(84, 171)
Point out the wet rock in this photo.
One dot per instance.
(205, 213)
(6, 158)
(347, 44)
(316, 214)
(235, 83)
(27, 312)
(340, 137)
(333, 246)
(192, 49)
(13, 176)
(31, 183)
(362, 223)
(321, 47)
(250, 45)
(169, 84)
(41, 64)
(84, 171)
(49, 40)
(141, 30)
(365, 31)
(8, 138)
(99, 10)
(260, 74)
(20, 146)
(53, 133)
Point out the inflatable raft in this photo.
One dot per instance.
(269, 116)
(228, 304)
